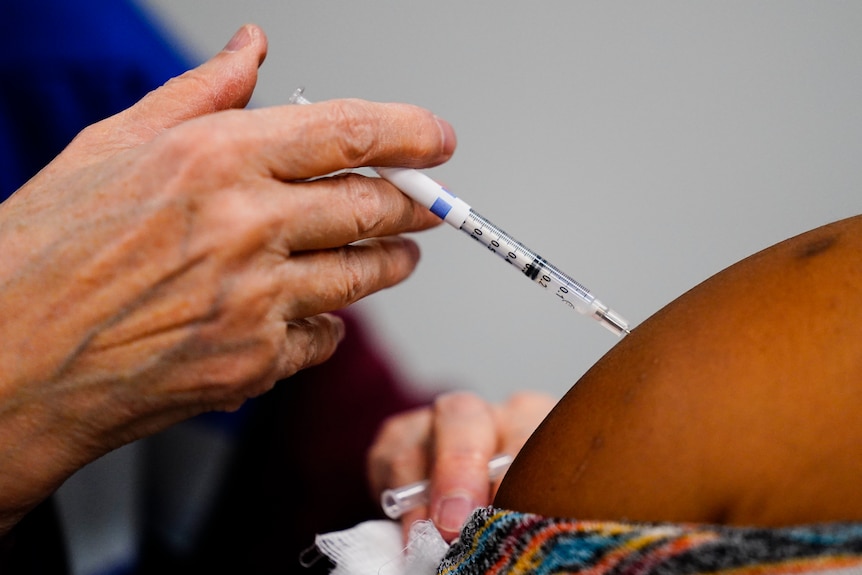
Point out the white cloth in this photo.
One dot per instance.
(377, 548)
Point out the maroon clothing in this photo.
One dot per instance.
(300, 469)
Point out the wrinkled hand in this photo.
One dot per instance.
(451, 443)
(180, 256)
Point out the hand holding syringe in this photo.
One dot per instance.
(459, 215)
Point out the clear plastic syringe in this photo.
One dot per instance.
(399, 500)
(457, 213)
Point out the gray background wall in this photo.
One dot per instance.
(640, 147)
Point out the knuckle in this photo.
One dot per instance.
(354, 271)
(245, 371)
(459, 402)
(405, 462)
(315, 343)
(357, 136)
(395, 428)
(529, 402)
(521, 399)
(389, 431)
(203, 148)
(463, 458)
(391, 461)
(367, 203)
(305, 350)
(376, 454)
(310, 354)
(89, 135)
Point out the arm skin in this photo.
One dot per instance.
(738, 403)
(182, 256)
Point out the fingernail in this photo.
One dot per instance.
(240, 40)
(447, 133)
(452, 511)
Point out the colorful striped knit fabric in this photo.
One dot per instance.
(495, 541)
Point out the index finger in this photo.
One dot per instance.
(301, 142)
(465, 439)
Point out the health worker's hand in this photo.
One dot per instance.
(181, 256)
(450, 443)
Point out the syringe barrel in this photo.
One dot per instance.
(423, 189)
(397, 501)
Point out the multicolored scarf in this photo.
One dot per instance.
(496, 541)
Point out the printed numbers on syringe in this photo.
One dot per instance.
(526, 261)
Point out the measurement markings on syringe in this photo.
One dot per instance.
(525, 260)
(514, 253)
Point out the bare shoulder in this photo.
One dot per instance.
(739, 402)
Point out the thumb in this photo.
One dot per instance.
(227, 80)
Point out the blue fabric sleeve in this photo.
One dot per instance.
(67, 64)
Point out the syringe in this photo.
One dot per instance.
(457, 213)
(399, 500)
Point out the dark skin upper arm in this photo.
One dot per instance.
(740, 402)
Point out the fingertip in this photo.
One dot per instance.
(248, 36)
(339, 326)
(413, 250)
(402, 245)
(451, 511)
(447, 134)
(411, 517)
(240, 40)
(336, 325)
